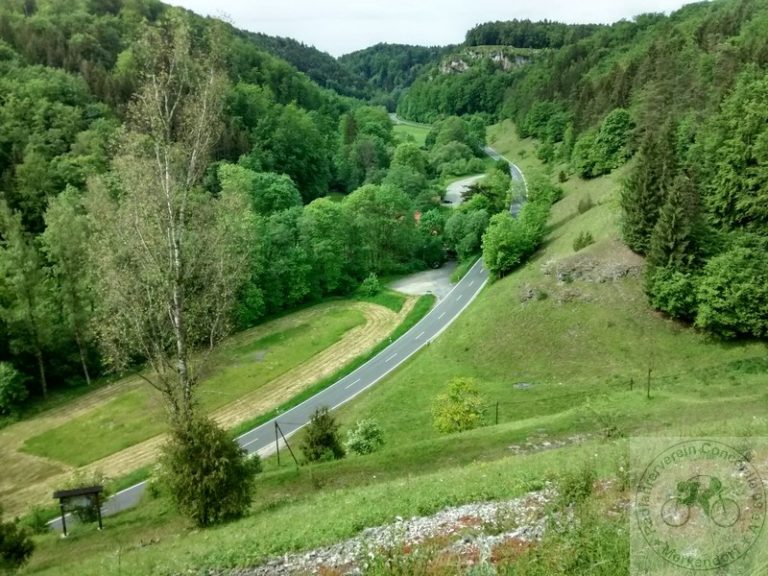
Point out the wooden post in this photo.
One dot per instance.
(497, 412)
(277, 443)
(98, 510)
(63, 518)
(649, 384)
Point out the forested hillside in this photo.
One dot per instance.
(73, 76)
(390, 68)
(320, 66)
(682, 97)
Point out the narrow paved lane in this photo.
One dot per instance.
(262, 438)
(517, 175)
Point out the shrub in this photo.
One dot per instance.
(321, 440)
(36, 520)
(364, 438)
(371, 285)
(207, 473)
(673, 292)
(585, 204)
(576, 486)
(583, 240)
(733, 293)
(12, 389)
(16, 546)
(462, 408)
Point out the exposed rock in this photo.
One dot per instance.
(524, 514)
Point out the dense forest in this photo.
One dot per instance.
(684, 96)
(321, 67)
(527, 34)
(388, 69)
(71, 74)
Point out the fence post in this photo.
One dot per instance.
(277, 444)
(649, 384)
(497, 412)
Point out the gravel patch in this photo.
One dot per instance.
(521, 519)
(437, 282)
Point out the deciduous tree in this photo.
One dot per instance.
(169, 258)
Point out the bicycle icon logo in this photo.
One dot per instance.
(699, 504)
(722, 510)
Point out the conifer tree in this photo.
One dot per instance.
(673, 241)
(645, 191)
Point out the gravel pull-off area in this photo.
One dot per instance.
(521, 519)
(437, 282)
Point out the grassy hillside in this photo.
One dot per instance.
(573, 326)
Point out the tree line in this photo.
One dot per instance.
(528, 34)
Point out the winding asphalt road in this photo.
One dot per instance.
(516, 174)
(261, 440)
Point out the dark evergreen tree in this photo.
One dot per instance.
(645, 191)
(673, 242)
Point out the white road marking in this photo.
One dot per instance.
(348, 386)
(459, 297)
(249, 443)
(471, 283)
(441, 316)
(420, 335)
(390, 358)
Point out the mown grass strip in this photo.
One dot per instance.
(423, 305)
(137, 415)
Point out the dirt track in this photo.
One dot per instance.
(39, 476)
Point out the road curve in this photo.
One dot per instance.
(517, 175)
(261, 440)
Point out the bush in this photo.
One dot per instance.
(462, 408)
(576, 486)
(16, 546)
(733, 292)
(36, 520)
(585, 204)
(12, 389)
(207, 474)
(371, 285)
(364, 438)
(321, 440)
(583, 240)
(673, 292)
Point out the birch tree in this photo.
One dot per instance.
(169, 258)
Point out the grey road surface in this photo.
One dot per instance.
(262, 439)
(517, 175)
